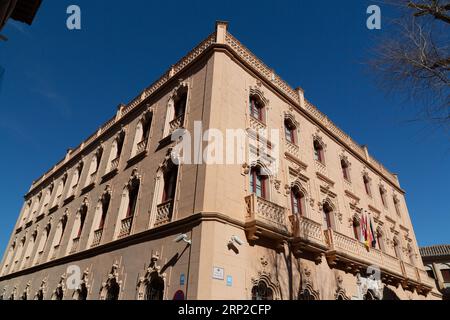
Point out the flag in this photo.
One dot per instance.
(362, 226)
(367, 234)
(374, 238)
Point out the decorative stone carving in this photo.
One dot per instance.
(317, 137)
(245, 169)
(58, 293)
(110, 289)
(39, 295)
(257, 91)
(26, 291)
(369, 288)
(151, 285)
(81, 292)
(340, 290)
(307, 291)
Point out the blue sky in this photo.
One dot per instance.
(59, 86)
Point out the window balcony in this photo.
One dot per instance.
(75, 245)
(125, 228)
(90, 183)
(97, 237)
(40, 255)
(115, 164)
(93, 177)
(176, 123)
(27, 263)
(292, 149)
(256, 124)
(353, 256)
(55, 252)
(141, 146)
(321, 168)
(265, 219)
(308, 237)
(164, 213)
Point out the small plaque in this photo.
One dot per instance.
(218, 273)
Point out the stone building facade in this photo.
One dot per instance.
(102, 223)
(437, 263)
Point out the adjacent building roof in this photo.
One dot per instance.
(435, 251)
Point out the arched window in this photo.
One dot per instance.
(176, 109)
(75, 180)
(258, 182)
(164, 194)
(77, 231)
(155, 287)
(39, 295)
(41, 246)
(18, 254)
(397, 205)
(116, 151)
(26, 259)
(46, 201)
(81, 293)
(9, 257)
(35, 207)
(380, 239)
(26, 211)
(383, 196)
(262, 292)
(110, 289)
(60, 229)
(297, 201)
(307, 294)
(357, 228)
(327, 215)
(142, 134)
(98, 225)
(128, 206)
(94, 166)
(345, 166)
(366, 181)
(59, 191)
(397, 249)
(318, 151)
(370, 295)
(411, 257)
(170, 184)
(113, 290)
(180, 103)
(257, 108)
(290, 131)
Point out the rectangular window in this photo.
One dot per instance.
(257, 184)
(446, 275)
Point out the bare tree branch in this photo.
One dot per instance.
(415, 59)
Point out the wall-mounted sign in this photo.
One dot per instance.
(229, 281)
(179, 295)
(182, 279)
(218, 273)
